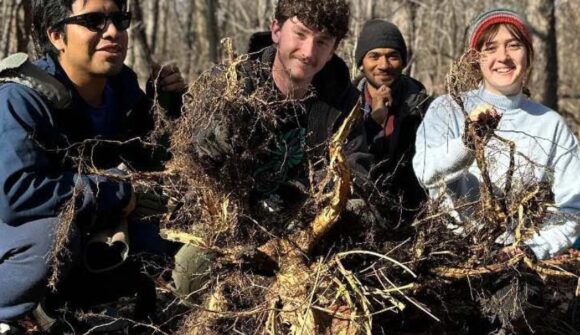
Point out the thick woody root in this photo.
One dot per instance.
(291, 295)
(320, 298)
(339, 174)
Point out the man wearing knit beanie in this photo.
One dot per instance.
(394, 105)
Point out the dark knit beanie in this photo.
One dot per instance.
(379, 34)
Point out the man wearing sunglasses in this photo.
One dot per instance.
(89, 111)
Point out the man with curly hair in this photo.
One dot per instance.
(311, 89)
(305, 34)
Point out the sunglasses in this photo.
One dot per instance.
(97, 21)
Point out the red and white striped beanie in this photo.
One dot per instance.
(494, 16)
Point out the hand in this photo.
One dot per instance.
(482, 120)
(123, 170)
(150, 204)
(214, 143)
(168, 78)
(380, 104)
(485, 115)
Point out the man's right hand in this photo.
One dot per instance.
(380, 105)
(214, 143)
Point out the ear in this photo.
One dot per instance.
(57, 39)
(276, 30)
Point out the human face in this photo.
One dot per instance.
(382, 67)
(302, 52)
(503, 63)
(87, 54)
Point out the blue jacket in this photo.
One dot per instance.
(40, 150)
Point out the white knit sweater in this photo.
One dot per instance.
(546, 151)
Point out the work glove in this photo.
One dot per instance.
(151, 204)
(214, 143)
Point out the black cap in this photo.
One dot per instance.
(379, 34)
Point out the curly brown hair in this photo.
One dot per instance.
(330, 16)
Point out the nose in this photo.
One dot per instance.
(503, 53)
(110, 30)
(308, 49)
(383, 63)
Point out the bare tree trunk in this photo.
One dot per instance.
(9, 15)
(15, 26)
(190, 37)
(141, 60)
(404, 18)
(371, 9)
(212, 30)
(263, 7)
(23, 26)
(154, 23)
(541, 14)
(164, 23)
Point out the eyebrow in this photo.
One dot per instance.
(496, 42)
(325, 36)
(300, 29)
(385, 53)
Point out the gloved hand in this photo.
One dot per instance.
(214, 142)
(150, 204)
(484, 119)
(365, 212)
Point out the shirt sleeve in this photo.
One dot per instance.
(561, 227)
(440, 155)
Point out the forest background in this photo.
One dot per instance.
(188, 33)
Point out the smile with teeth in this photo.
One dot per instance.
(504, 70)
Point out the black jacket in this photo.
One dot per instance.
(330, 100)
(393, 170)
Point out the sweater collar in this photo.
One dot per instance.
(505, 103)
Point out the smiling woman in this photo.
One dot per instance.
(501, 168)
(463, 152)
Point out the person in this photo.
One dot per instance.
(302, 67)
(76, 106)
(546, 150)
(394, 105)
